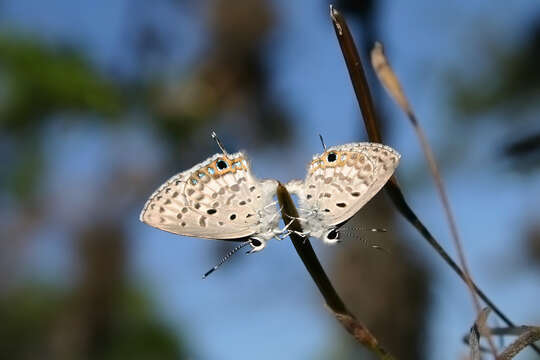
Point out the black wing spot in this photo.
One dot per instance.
(355, 194)
(326, 210)
(332, 157)
(221, 164)
(211, 211)
(232, 217)
(341, 205)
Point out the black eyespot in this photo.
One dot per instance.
(333, 234)
(211, 211)
(221, 164)
(326, 210)
(341, 205)
(256, 243)
(232, 217)
(332, 157)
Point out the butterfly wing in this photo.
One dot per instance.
(216, 199)
(342, 180)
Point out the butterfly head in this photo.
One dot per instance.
(257, 243)
(331, 236)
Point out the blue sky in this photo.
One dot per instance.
(252, 310)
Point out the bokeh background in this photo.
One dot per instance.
(102, 101)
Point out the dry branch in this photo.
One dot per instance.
(333, 301)
(392, 188)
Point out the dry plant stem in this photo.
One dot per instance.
(478, 327)
(474, 343)
(333, 301)
(531, 335)
(391, 83)
(527, 335)
(356, 73)
(392, 188)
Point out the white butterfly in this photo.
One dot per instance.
(338, 183)
(216, 199)
(220, 198)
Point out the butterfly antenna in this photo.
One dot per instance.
(365, 242)
(218, 142)
(367, 229)
(380, 248)
(374, 246)
(322, 142)
(225, 258)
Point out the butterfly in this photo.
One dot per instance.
(338, 184)
(216, 199)
(221, 199)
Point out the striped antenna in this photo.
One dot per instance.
(225, 258)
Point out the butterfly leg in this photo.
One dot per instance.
(270, 205)
(304, 234)
(298, 218)
(308, 211)
(283, 233)
(264, 210)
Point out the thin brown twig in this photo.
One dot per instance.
(391, 83)
(478, 328)
(392, 188)
(333, 301)
(528, 337)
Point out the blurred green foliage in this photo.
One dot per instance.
(516, 84)
(43, 82)
(37, 81)
(31, 328)
(509, 89)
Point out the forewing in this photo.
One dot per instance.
(217, 199)
(343, 179)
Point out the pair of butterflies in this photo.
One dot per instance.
(220, 198)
